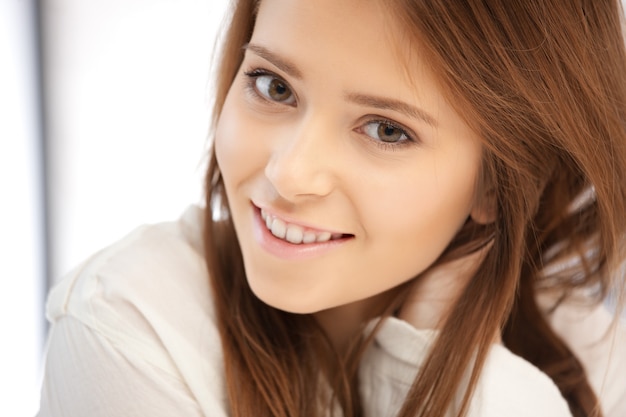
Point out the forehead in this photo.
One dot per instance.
(360, 36)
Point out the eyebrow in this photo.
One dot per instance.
(366, 100)
(276, 60)
(398, 106)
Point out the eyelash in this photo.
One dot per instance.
(251, 87)
(393, 146)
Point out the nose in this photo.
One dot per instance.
(300, 165)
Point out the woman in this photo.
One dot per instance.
(413, 209)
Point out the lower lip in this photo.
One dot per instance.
(290, 251)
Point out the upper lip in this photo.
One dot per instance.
(290, 220)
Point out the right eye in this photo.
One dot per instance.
(270, 87)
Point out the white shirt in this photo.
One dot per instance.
(134, 334)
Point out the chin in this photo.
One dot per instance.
(289, 303)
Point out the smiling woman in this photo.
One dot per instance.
(302, 127)
(416, 211)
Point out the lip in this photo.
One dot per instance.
(290, 251)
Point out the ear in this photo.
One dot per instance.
(484, 209)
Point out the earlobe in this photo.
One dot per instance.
(484, 210)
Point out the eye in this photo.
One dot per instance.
(270, 87)
(385, 131)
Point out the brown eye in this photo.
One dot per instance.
(385, 132)
(388, 133)
(274, 89)
(278, 90)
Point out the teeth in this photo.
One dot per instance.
(309, 237)
(293, 233)
(279, 228)
(323, 237)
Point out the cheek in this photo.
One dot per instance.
(237, 144)
(226, 138)
(421, 213)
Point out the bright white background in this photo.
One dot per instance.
(128, 104)
(21, 244)
(128, 109)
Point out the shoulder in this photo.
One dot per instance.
(155, 266)
(149, 296)
(507, 386)
(511, 386)
(144, 263)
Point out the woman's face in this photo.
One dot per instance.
(346, 171)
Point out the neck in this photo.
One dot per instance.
(436, 291)
(342, 324)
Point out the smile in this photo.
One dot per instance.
(296, 234)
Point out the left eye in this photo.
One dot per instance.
(385, 132)
(274, 89)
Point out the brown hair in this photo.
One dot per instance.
(543, 84)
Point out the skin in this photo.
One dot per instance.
(297, 138)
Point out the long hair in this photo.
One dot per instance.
(543, 84)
